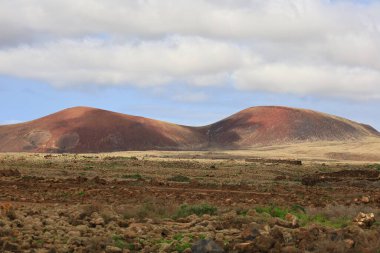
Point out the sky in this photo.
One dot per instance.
(189, 62)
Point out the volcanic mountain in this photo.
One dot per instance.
(275, 124)
(84, 129)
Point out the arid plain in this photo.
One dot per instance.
(251, 200)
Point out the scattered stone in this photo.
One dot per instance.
(349, 243)
(364, 220)
(206, 217)
(365, 199)
(252, 212)
(98, 180)
(136, 229)
(292, 219)
(280, 178)
(285, 224)
(244, 247)
(13, 247)
(97, 221)
(166, 247)
(10, 173)
(290, 249)
(251, 232)
(287, 237)
(219, 237)
(113, 249)
(206, 246)
(264, 242)
(73, 233)
(82, 229)
(230, 215)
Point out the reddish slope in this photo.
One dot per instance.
(83, 129)
(274, 124)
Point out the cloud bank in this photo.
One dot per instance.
(302, 47)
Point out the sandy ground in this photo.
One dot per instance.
(355, 151)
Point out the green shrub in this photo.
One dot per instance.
(88, 168)
(242, 212)
(120, 158)
(119, 242)
(180, 247)
(323, 220)
(132, 176)
(274, 211)
(303, 217)
(131, 246)
(186, 210)
(178, 237)
(154, 209)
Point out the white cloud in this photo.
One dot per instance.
(322, 47)
(331, 81)
(196, 60)
(272, 19)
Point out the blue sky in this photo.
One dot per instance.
(189, 62)
(25, 100)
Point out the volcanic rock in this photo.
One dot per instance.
(365, 220)
(206, 246)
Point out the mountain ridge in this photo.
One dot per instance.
(87, 129)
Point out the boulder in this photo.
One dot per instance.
(292, 219)
(365, 199)
(244, 247)
(251, 231)
(113, 249)
(97, 222)
(206, 246)
(364, 220)
(264, 243)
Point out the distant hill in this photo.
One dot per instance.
(84, 129)
(275, 124)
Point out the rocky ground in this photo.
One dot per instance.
(64, 203)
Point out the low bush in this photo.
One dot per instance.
(186, 210)
(150, 208)
(119, 242)
(306, 217)
(374, 166)
(132, 176)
